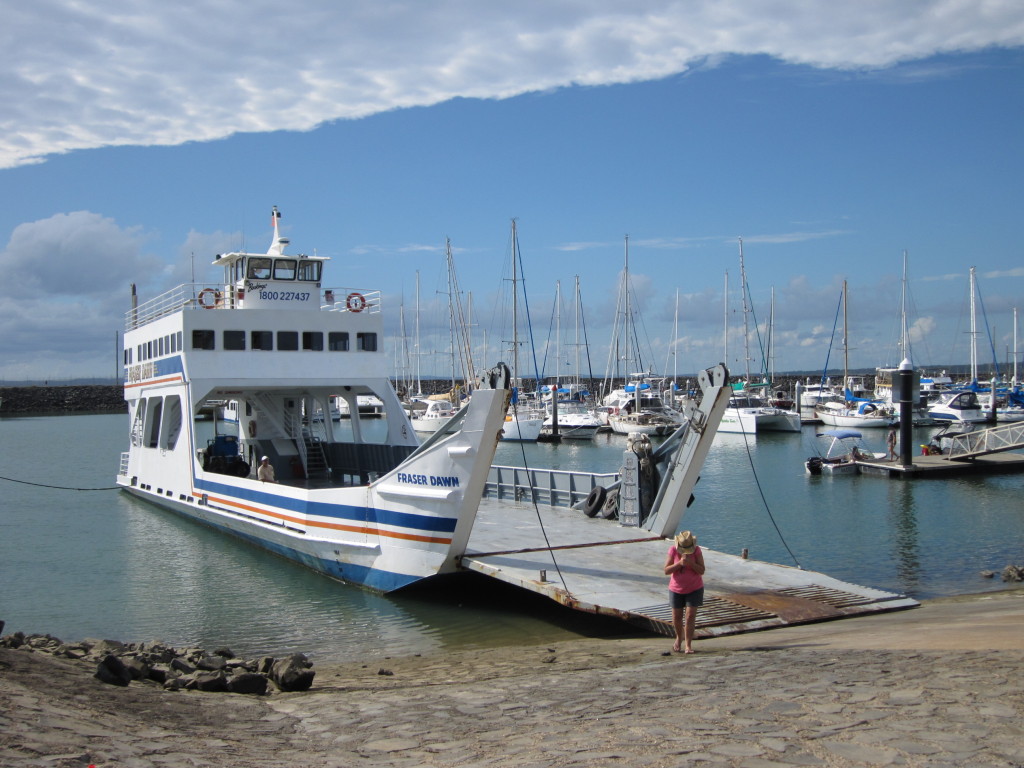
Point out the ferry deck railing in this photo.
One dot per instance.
(553, 487)
(188, 296)
(1008, 437)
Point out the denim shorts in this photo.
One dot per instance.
(693, 599)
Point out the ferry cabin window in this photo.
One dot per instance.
(203, 339)
(234, 340)
(263, 340)
(259, 269)
(178, 335)
(310, 271)
(337, 341)
(288, 340)
(284, 269)
(160, 347)
(313, 340)
(366, 342)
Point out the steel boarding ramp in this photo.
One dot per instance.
(1008, 437)
(616, 571)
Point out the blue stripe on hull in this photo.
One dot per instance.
(337, 511)
(350, 573)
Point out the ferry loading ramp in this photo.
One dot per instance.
(532, 532)
(598, 566)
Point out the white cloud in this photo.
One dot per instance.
(108, 73)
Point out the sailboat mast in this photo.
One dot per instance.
(974, 335)
(1015, 353)
(675, 342)
(846, 346)
(627, 331)
(558, 332)
(419, 382)
(746, 329)
(515, 306)
(725, 324)
(451, 307)
(576, 364)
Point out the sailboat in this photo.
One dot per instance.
(851, 411)
(430, 414)
(639, 406)
(522, 423)
(749, 411)
(568, 414)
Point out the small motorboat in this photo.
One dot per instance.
(843, 454)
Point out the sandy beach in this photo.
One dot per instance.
(932, 686)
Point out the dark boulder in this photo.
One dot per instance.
(248, 682)
(293, 673)
(111, 671)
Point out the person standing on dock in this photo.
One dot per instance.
(890, 442)
(685, 567)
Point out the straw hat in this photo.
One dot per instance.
(686, 542)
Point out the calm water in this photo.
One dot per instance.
(101, 564)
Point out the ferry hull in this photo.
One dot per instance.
(368, 568)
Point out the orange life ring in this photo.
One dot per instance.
(355, 302)
(209, 292)
(252, 428)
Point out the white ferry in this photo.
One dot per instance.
(361, 501)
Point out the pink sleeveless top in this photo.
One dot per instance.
(684, 581)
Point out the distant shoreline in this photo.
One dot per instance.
(77, 399)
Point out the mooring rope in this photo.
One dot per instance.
(60, 487)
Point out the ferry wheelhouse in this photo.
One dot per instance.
(360, 500)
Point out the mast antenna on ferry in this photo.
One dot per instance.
(277, 246)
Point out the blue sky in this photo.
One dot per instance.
(141, 139)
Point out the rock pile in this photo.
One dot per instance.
(1013, 573)
(188, 669)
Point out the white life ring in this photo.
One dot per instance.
(355, 302)
(209, 292)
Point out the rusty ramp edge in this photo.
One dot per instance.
(727, 613)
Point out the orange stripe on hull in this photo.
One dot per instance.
(363, 529)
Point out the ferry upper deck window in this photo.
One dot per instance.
(259, 269)
(366, 342)
(337, 341)
(310, 271)
(313, 340)
(288, 340)
(263, 340)
(234, 340)
(203, 339)
(284, 269)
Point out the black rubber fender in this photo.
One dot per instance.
(595, 500)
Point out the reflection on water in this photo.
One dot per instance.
(905, 544)
(102, 564)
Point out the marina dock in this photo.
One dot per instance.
(941, 466)
(601, 567)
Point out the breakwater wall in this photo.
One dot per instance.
(40, 400)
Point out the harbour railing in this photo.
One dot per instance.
(553, 487)
(1008, 437)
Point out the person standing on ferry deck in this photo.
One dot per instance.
(685, 567)
(266, 471)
